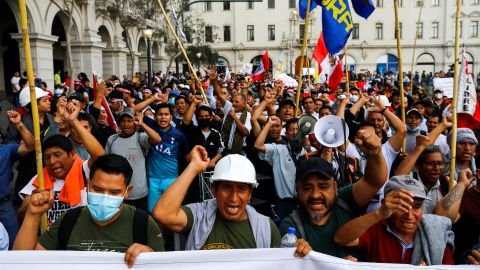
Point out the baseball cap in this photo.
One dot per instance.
(126, 111)
(77, 96)
(406, 182)
(414, 111)
(314, 165)
(286, 101)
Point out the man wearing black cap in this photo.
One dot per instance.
(323, 208)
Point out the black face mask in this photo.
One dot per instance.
(204, 123)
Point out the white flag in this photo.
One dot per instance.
(467, 96)
(179, 26)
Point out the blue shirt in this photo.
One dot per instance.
(8, 155)
(163, 158)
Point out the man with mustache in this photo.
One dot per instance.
(323, 208)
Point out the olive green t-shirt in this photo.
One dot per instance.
(320, 237)
(115, 237)
(228, 234)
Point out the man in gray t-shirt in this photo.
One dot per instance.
(134, 145)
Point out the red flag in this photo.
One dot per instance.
(329, 67)
(465, 120)
(110, 119)
(468, 107)
(259, 73)
(336, 76)
(320, 52)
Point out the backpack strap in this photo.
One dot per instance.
(140, 226)
(295, 216)
(66, 228)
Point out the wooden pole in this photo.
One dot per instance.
(414, 47)
(347, 75)
(453, 142)
(33, 101)
(300, 73)
(184, 52)
(400, 72)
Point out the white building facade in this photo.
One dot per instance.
(247, 29)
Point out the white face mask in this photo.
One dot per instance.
(354, 98)
(438, 95)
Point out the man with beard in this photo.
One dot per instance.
(323, 208)
(283, 160)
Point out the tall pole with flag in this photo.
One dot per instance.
(453, 143)
(400, 72)
(302, 56)
(33, 101)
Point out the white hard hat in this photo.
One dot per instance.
(235, 168)
(24, 97)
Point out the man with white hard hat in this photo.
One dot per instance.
(226, 222)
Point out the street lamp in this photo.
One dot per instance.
(199, 55)
(148, 33)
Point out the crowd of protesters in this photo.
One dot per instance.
(225, 163)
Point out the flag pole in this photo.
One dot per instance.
(347, 75)
(453, 142)
(400, 72)
(33, 101)
(184, 52)
(414, 47)
(305, 31)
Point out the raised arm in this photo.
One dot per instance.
(349, 233)
(240, 126)
(28, 144)
(408, 163)
(396, 141)
(142, 105)
(196, 100)
(376, 168)
(342, 106)
(218, 90)
(449, 205)
(27, 237)
(257, 115)
(168, 211)
(153, 136)
(93, 147)
(364, 99)
(260, 141)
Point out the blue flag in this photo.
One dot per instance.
(363, 7)
(302, 7)
(336, 24)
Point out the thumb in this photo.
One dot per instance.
(52, 196)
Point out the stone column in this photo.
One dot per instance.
(42, 54)
(87, 57)
(114, 62)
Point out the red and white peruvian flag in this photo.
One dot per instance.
(329, 66)
(259, 73)
(468, 107)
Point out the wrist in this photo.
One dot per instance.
(383, 110)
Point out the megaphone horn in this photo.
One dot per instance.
(331, 131)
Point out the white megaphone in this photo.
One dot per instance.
(331, 131)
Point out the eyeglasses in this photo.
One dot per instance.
(434, 163)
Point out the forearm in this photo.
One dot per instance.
(27, 236)
(93, 147)
(349, 233)
(216, 158)
(26, 135)
(153, 136)
(376, 170)
(449, 205)
(356, 107)
(395, 122)
(187, 119)
(260, 141)
(436, 132)
(142, 105)
(240, 126)
(341, 110)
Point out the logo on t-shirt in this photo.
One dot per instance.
(213, 246)
(58, 209)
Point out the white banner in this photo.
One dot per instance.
(467, 95)
(444, 84)
(238, 259)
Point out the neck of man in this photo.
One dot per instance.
(463, 164)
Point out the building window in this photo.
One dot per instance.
(301, 29)
(292, 4)
(250, 33)
(435, 3)
(356, 31)
(226, 5)
(208, 6)
(476, 2)
(400, 3)
(474, 29)
(226, 33)
(419, 3)
(188, 33)
(379, 31)
(208, 34)
(271, 3)
(419, 30)
(459, 30)
(249, 5)
(271, 32)
(379, 3)
(434, 29)
(400, 30)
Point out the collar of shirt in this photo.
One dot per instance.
(405, 246)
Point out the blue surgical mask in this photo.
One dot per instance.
(103, 207)
(413, 130)
(171, 101)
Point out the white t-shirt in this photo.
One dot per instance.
(248, 124)
(58, 208)
(15, 81)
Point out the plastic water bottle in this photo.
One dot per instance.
(289, 239)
